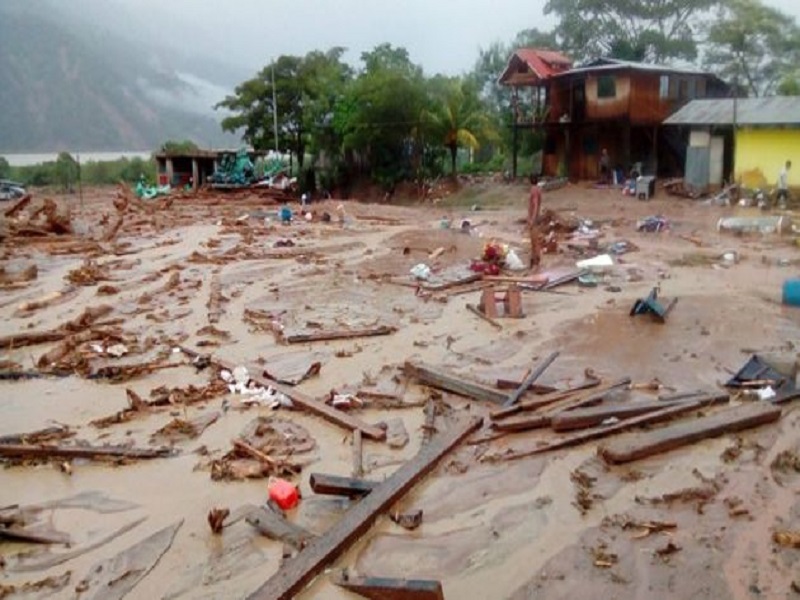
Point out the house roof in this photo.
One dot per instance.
(754, 112)
(542, 64)
(602, 65)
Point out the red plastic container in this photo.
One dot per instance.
(283, 493)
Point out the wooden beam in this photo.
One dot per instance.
(296, 572)
(358, 454)
(641, 445)
(476, 311)
(522, 423)
(584, 418)
(346, 334)
(335, 485)
(21, 451)
(514, 396)
(589, 435)
(327, 412)
(547, 399)
(437, 378)
(385, 588)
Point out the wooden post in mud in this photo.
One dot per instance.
(297, 572)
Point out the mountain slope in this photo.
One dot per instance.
(61, 90)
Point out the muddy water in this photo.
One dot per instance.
(490, 530)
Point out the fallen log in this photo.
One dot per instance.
(476, 311)
(641, 445)
(385, 588)
(589, 435)
(316, 407)
(451, 383)
(346, 334)
(271, 523)
(589, 417)
(514, 396)
(24, 451)
(335, 485)
(296, 572)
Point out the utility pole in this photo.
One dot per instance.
(274, 109)
(80, 179)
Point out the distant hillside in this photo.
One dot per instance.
(67, 88)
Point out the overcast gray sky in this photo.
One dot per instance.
(441, 35)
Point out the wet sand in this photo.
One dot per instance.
(490, 529)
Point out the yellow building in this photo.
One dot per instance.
(747, 140)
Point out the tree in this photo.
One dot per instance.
(66, 171)
(179, 147)
(5, 168)
(648, 30)
(378, 116)
(457, 118)
(305, 90)
(753, 45)
(790, 86)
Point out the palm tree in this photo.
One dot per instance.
(456, 119)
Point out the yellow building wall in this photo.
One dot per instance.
(761, 153)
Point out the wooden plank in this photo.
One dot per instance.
(358, 454)
(336, 485)
(546, 400)
(296, 572)
(514, 397)
(589, 435)
(327, 412)
(641, 445)
(589, 417)
(385, 588)
(437, 378)
(522, 423)
(271, 522)
(475, 311)
(438, 287)
(345, 334)
(22, 451)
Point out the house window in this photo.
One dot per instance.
(606, 86)
(663, 87)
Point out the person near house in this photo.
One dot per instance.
(782, 194)
(605, 167)
(534, 208)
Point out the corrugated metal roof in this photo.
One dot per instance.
(543, 63)
(775, 110)
(606, 65)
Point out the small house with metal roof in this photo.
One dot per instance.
(747, 140)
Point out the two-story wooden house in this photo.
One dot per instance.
(615, 105)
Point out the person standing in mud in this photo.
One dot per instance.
(534, 208)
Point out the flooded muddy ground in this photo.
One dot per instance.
(131, 282)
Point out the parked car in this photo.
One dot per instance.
(11, 190)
